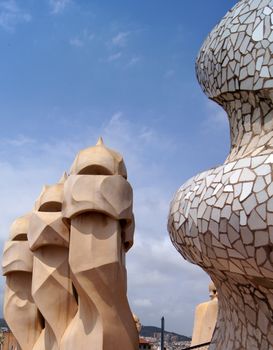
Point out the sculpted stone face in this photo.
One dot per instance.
(20, 310)
(222, 218)
(65, 263)
(98, 205)
(52, 289)
(98, 160)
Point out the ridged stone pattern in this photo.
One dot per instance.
(222, 219)
(65, 263)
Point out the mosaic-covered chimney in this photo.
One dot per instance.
(222, 219)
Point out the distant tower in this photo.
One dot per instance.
(162, 332)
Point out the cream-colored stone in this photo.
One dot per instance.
(20, 310)
(17, 257)
(99, 206)
(47, 228)
(138, 323)
(19, 228)
(52, 289)
(98, 160)
(65, 263)
(205, 319)
(51, 198)
(98, 193)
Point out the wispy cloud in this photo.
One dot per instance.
(19, 141)
(83, 39)
(146, 134)
(58, 6)
(133, 61)
(118, 45)
(11, 15)
(114, 57)
(142, 303)
(76, 42)
(120, 40)
(116, 118)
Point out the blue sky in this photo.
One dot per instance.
(72, 70)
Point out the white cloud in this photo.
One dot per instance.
(82, 39)
(11, 15)
(146, 134)
(117, 47)
(19, 141)
(120, 130)
(114, 57)
(117, 117)
(58, 6)
(133, 61)
(159, 280)
(143, 303)
(76, 42)
(120, 40)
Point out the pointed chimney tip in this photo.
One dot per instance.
(100, 141)
(63, 178)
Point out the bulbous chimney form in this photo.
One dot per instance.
(222, 219)
(98, 205)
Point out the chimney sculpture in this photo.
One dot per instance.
(98, 202)
(222, 219)
(52, 289)
(79, 233)
(20, 311)
(205, 319)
